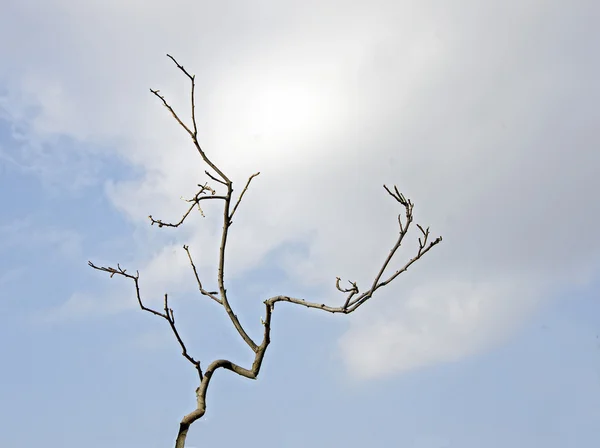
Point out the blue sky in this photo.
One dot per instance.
(483, 113)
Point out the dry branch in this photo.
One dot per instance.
(354, 297)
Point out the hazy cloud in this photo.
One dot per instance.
(483, 116)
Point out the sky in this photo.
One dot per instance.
(483, 113)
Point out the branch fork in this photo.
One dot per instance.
(353, 300)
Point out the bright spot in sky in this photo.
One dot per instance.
(274, 115)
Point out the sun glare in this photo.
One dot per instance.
(274, 115)
(286, 110)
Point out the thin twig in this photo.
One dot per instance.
(168, 312)
(242, 195)
(210, 294)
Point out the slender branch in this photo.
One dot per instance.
(193, 79)
(161, 223)
(170, 316)
(242, 195)
(193, 134)
(210, 294)
(194, 201)
(168, 312)
(181, 123)
(221, 273)
(408, 207)
(353, 304)
(214, 178)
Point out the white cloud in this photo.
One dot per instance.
(490, 132)
(443, 322)
(25, 234)
(85, 305)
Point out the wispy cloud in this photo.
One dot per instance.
(443, 322)
(26, 234)
(87, 305)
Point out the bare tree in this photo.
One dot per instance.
(354, 298)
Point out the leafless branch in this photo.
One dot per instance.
(353, 300)
(211, 294)
(193, 89)
(193, 134)
(194, 201)
(168, 312)
(242, 195)
(181, 123)
(214, 178)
